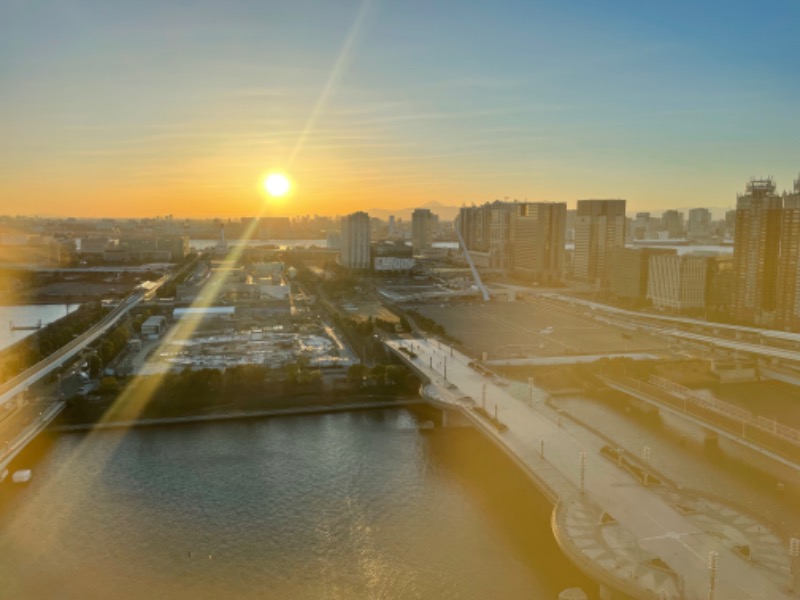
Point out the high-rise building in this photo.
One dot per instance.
(473, 224)
(787, 303)
(571, 225)
(537, 240)
(672, 222)
(730, 223)
(355, 241)
(423, 223)
(629, 276)
(720, 287)
(699, 224)
(599, 227)
(678, 282)
(486, 230)
(756, 252)
(639, 226)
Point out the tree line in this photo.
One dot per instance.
(240, 388)
(27, 352)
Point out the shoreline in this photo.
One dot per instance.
(238, 415)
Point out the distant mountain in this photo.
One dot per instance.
(446, 213)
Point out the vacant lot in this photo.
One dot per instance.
(506, 330)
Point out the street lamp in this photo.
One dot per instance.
(713, 567)
(582, 462)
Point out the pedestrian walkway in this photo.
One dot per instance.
(645, 540)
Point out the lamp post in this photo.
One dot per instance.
(582, 462)
(713, 568)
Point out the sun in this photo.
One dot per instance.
(277, 184)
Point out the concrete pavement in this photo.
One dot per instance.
(652, 543)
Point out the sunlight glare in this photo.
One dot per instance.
(277, 184)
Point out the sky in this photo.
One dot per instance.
(126, 109)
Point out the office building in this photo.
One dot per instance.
(640, 226)
(672, 224)
(537, 239)
(423, 223)
(355, 241)
(486, 231)
(599, 228)
(629, 276)
(678, 283)
(699, 223)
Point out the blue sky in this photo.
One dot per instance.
(135, 108)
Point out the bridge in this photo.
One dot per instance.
(765, 436)
(11, 391)
(55, 361)
(35, 417)
(634, 535)
(15, 387)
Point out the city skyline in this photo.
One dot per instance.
(131, 111)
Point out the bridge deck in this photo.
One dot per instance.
(746, 431)
(646, 523)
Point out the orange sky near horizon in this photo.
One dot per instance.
(145, 109)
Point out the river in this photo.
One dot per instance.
(26, 315)
(350, 505)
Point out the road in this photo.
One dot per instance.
(649, 524)
(762, 342)
(27, 378)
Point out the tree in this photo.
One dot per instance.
(357, 372)
(108, 385)
(378, 374)
(95, 365)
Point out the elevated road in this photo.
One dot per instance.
(633, 536)
(763, 343)
(767, 437)
(24, 380)
(27, 378)
(9, 450)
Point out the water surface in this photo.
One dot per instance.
(356, 505)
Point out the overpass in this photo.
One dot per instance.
(10, 448)
(27, 378)
(764, 343)
(765, 436)
(613, 518)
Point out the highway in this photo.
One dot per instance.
(24, 380)
(650, 546)
(671, 322)
(671, 327)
